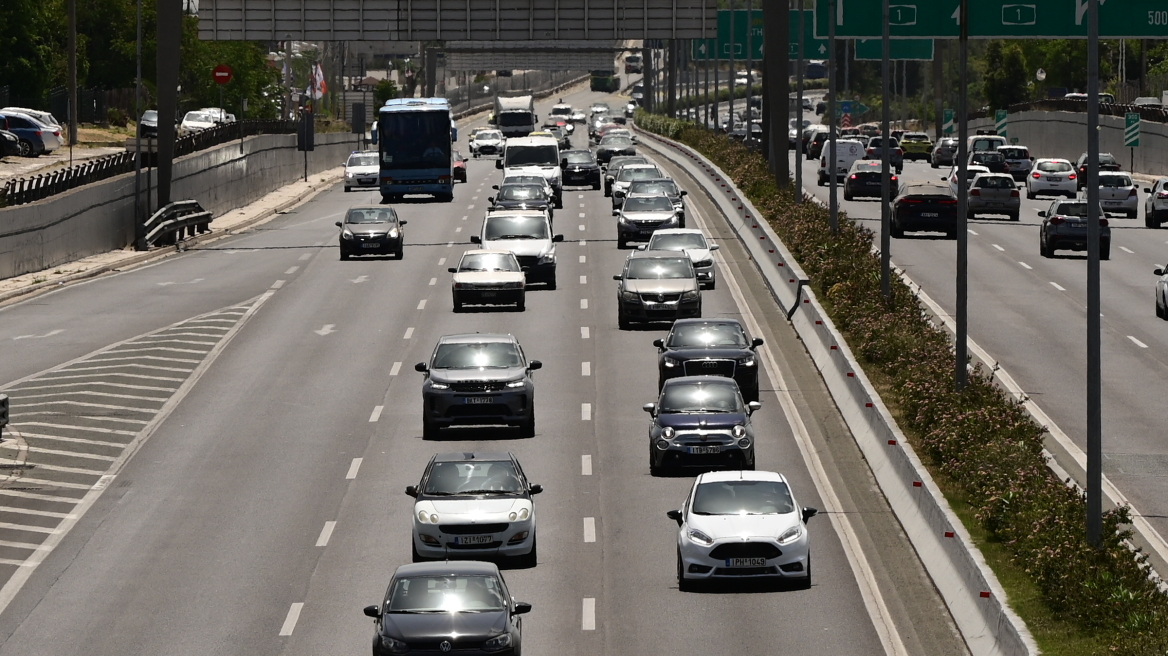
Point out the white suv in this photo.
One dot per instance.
(1156, 205)
(1052, 177)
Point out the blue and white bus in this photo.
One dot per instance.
(414, 138)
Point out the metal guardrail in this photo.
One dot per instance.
(1148, 113)
(175, 220)
(26, 190)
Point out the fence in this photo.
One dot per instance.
(27, 190)
(467, 95)
(230, 132)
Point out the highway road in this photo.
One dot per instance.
(249, 414)
(1029, 312)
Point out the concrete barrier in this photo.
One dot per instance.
(98, 218)
(969, 587)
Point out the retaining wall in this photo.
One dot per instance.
(99, 217)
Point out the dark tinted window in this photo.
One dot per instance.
(371, 215)
(743, 498)
(616, 140)
(1072, 209)
(446, 594)
(1114, 181)
(1054, 167)
(626, 174)
(473, 356)
(515, 227)
(996, 182)
(700, 397)
(413, 139)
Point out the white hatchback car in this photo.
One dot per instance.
(488, 278)
(971, 172)
(738, 525)
(1156, 204)
(1162, 292)
(1052, 177)
(362, 170)
(693, 243)
(1118, 194)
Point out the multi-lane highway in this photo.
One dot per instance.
(1029, 312)
(215, 449)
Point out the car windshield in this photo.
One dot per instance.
(707, 335)
(743, 498)
(521, 192)
(1072, 209)
(515, 227)
(658, 268)
(150, 115)
(561, 111)
(368, 159)
(648, 204)
(658, 187)
(371, 215)
(489, 262)
(484, 355)
(579, 157)
(677, 242)
(627, 174)
(446, 594)
(996, 182)
(720, 398)
(532, 156)
(488, 135)
(198, 117)
(1054, 167)
(478, 477)
(1114, 181)
(616, 140)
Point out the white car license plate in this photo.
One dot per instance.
(473, 539)
(931, 215)
(746, 562)
(418, 188)
(371, 244)
(701, 450)
(472, 400)
(1111, 202)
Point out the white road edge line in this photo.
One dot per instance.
(590, 529)
(393, 371)
(376, 414)
(1137, 342)
(290, 621)
(588, 615)
(325, 534)
(586, 465)
(353, 467)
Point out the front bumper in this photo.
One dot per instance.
(641, 310)
(688, 449)
(361, 181)
(641, 230)
(370, 246)
(506, 539)
(699, 561)
(452, 407)
(581, 177)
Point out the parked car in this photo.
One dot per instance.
(35, 138)
(1118, 194)
(1147, 101)
(148, 124)
(1018, 161)
(916, 145)
(864, 180)
(700, 421)
(924, 207)
(994, 193)
(657, 286)
(372, 230)
(1107, 162)
(580, 168)
(1156, 204)
(1064, 226)
(9, 143)
(709, 347)
(45, 118)
(1052, 177)
(944, 153)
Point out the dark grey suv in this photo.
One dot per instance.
(709, 347)
(478, 379)
(1064, 226)
(700, 421)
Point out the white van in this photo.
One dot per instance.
(846, 152)
(534, 156)
(983, 142)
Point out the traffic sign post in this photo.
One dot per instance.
(222, 74)
(720, 48)
(1001, 120)
(898, 50)
(1131, 129)
(949, 125)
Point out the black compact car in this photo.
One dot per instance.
(522, 197)
(924, 206)
(1064, 227)
(864, 180)
(1107, 162)
(991, 159)
(148, 125)
(700, 421)
(709, 347)
(372, 230)
(580, 168)
(464, 607)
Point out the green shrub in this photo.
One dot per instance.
(116, 117)
(980, 440)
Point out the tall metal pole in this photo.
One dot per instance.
(938, 85)
(886, 167)
(139, 218)
(72, 77)
(707, 101)
(904, 97)
(671, 81)
(169, 38)
(799, 106)
(749, 64)
(961, 346)
(1094, 362)
(717, 102)
(833, 194)
(733, 77)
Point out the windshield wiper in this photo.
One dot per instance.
(439, 494)
(411, 612)
(487, 492)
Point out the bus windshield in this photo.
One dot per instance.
(412, 140)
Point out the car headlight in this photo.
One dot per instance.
(346, 234)
(691, 295)
(672, 220)
(425, 517)
(393, 234)
(547, 258)
(703, 263)
(630, 296)
(748, 361)
(670, 363)
(699, 537)
(498, 643)
(668, 432)
(394, 645)
(349, 175)
(517, 383)
(790, 535)
(622, 219)
(738, 431)
(439, 386)
(744, 443)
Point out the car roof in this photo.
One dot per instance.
(523, 213)
(738, 475)
(647, 254)
(531, 141)
(477, 338)
(383, 208)
(469, 456)
(447, 567)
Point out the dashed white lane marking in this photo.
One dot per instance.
(585, 368)
(464, 218)
(306, 256)
(583, 304)
(327, 329)
(583, 242)
(393, 371)
(1127, 250)
(474, 197)
(590, 529)
(376, 414)
(470, 207)
(291, 270)
(409, 333)
(1025, 265)
(588, 620)
(353, 467)
(422, 304)
(582, 215)
(972, 232)
(449, 244)
(325, 534)
(441, 261)
(585, 412)
(586, 465)
(583, 259)
(290, 621)
(1058, 287)
(433, 281)
(999, 248)
(278, 284)
(1137, 342)
(581, 195)
(581, 204)
(582, 228)
(458, 229)
(583, 280)
(359, 279)
(584, 332)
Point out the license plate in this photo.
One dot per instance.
(701, 450)
(371, 244)
(746, 562)
(931, 215)
(1111, 202)
(418, 188)
(487, 294)
(473, 539)
(646, 232)
(472, 400)
(1054, 180)
(993, 204)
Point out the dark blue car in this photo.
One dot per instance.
(35, 137)
(700, 421)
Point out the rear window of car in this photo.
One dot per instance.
(1071, 209)
(1014, 153)
(916, 137)
(996, 182)
(1114, 181)
(1054, 167)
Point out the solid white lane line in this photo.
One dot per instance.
(1058, 287)
(422, 304)
(583, 304)
(278, 284)
(1127, 250)
(441, 261)
(353, 467)
(393, 371)
(325, 534)
(1137, 342)
(584, 332)
(585, 412)
(590, 529)
(999, 248)
(306, 256)
(583, 259)
(972, 232)
(433, 281)
(588, 619)
(376, 414)
(585, 368)
(583, 280)
(409, 333)
(290, 621)
(1025, 265)
(291, 270)
(586, 465)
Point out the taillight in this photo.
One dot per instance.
(871, 151)
(1014, 194)
(1162, 194)
(909, 200)
(386, 180)
(898, 151)
(1057, 220)
(947, 202)
(1103, 222)
(1131, 193)
(37, 133)
(975, 192)
(853, 177)
(893, 178)
(443, 179)
(1036, 176)
(1071, 176)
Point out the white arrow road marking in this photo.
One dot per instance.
(192, 282)
(359, 279)
(58, 331)
(328, 328)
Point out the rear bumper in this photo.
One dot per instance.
(489, 296)
(918, 223)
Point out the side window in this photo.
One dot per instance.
(19, 123)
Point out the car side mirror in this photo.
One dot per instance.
(498, 163)
(684, 192)
(643, 247)
(475, 239)
(714, 247)
(372, 611)
(421, 368)
(491, 199)
(452, 269)
(1042, 213)
(536, 488)
(809, 512)
(563, 163)
(616, 212)
(1147, 190)
(534, 364)
(402, 223)
(1158, 271)
(412, 491)
(753, 407)
(557, 238)
(756, 342)
(618, 194)
(675, 515)
(659, 343)
(618, 277)
(495, 187)
(651, 408)
(339, 224)
(522, 607)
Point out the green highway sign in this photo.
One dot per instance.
(949, 126)
(1131, 129)
(710, 49)
(1001, 121)
(994, 19)
(851, 107)
(898, 49)
(703, 49)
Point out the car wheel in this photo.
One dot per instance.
(1148, 219)
(521, 305)
(847, 196)
(683, 584)
(934, 164)
(551, 282)
(1030, 195)
(348, 189)
(805, 584)
(607, 191)
(595, 186)
(1043, 248)
(1105, 252)
(622, 322)
(560, 203)
(531, 558)
(429, 428)
(621, 244)
(1133, 215)
(414, 555)
(527, 428)
(713, 283)
(26, 149)
(344, 255)
(457, 304)
(399, 253)
(654, 469)
(895, 231)
(1014, 216)
(1159, 311)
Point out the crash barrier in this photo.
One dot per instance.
(226, 132)
(173, 221)
(26, 190)
(969, 587)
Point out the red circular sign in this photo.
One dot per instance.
(221, 74)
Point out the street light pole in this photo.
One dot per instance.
(1094, 362)
(799, 108)
(139, 219)
(833, 193)
(961, 346)
(886, 167)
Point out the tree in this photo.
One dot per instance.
(1006, 75)
(385, 90)
(253, 77)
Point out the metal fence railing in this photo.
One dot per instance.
(1148, 113)
(229, 132)
(19, 191)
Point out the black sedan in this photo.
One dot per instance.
(148, 125)
(925, 206)
(613, 146)
(700, 421)
(580, 168)
(709, 347)
(864, 180)
(992, 160)
(522, 197)
(370, 231)
(463, 607)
